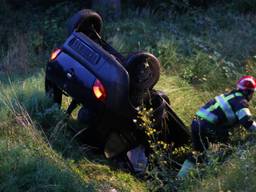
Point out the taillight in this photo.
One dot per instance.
(99, 90)
(54, 54)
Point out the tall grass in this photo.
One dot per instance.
(37, 149)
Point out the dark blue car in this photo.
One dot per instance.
(110, 87)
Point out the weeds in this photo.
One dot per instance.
(39, 151)
(245, 6)
(16, 58)
(163, 158)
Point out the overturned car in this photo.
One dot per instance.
(110, 88)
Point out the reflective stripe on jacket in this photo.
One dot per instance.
(227, 110)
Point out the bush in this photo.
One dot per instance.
(20, 3)
(179, 4)
(17, 57)
(245, 6)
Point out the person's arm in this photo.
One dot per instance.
(252, 128)
(245, 117)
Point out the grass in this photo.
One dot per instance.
(40, 156)
(179, 91)
(202, 53)
(235, 174)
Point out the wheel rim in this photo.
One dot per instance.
(144, 75)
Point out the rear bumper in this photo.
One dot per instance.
(75, 79)
(72, 78)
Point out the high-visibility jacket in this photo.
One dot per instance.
(227, 110)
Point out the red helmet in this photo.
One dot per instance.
(246, 83)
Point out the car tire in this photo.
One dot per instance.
(53, 92)
(84, 19)
(143, 69)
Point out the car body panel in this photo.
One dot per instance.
(86, 61)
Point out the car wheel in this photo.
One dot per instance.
(53, 92)
(143, 69)
(83, 20)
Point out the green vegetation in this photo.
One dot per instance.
(38, 152)
(202, 53)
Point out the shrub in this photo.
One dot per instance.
(244, 6)
(17, 57)
(20, 3)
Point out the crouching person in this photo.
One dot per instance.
(215, 118)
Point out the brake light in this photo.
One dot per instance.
(54, 54)
(99, 90)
